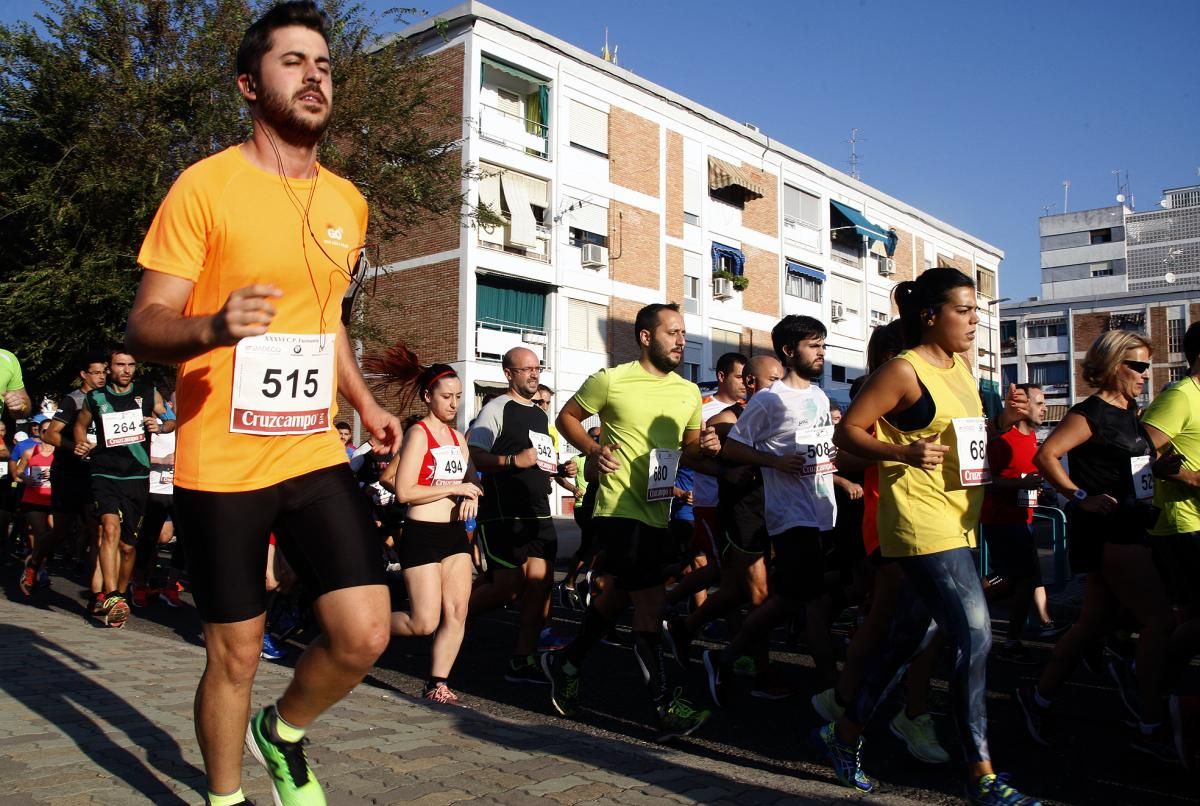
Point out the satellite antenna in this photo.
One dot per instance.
(1169, 277)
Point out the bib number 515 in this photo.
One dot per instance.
(274, 382)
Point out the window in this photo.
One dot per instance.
(1176, 373)
(724, 341)
(985, 281)
(726, 258)
(693, 269)
(1174, 335)
(1008, 337)
(586, 326)
(693, 182)
(589, 129)
(521, 201)
(801, 208)
(846, 295)
(1104, 269)
(693, 352)
(879, 318)
(1053, 374)
(803, 281)
(1045, 330)
(837, 373)
(581, 236)
(1099, 236)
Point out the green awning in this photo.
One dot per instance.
(510, 303)
(515, 72)
(872, 232)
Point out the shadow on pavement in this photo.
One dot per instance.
(48, 682)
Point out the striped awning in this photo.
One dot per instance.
(722, 175)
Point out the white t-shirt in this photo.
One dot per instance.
(162, 474)
(777, 420)
(704, 489)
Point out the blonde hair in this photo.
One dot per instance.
(1104, 357)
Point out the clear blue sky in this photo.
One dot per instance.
(973, 111)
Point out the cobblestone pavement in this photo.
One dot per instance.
(93, 715)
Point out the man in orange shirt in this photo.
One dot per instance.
(245, 266)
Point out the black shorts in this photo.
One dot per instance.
(322, 524)
(1012, 551)
(742, 525)
(1087, 532)
(25, 507)
(639, 556)
(798, 572)
(509, 542)
(1178, 558)
(71, 493)
(425, 542)
(125, 498)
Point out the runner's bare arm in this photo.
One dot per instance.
(82, 420)
(570, 426)
(694, 458)
(383, 425)
(160, 408)
(159, 331)
(17, 402)
(57, 436)
(1169, 464)
(1073, 431)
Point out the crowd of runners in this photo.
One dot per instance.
(763, 504)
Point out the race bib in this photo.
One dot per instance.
(123, 427)
(970, 434)
(664, 466)
(449, 466)
(1143, 479)
(282, 384)
(816, 446)
(544, 445)
(39, 477)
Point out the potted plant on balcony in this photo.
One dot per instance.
(740, 282)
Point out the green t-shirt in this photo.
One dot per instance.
(1176, 412)
(10, 375)
(639, 413)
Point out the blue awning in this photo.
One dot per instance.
(806, 271)
(872, 232)
(739, 259)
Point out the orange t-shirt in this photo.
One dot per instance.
(227, 224)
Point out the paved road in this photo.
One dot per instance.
(94, 715)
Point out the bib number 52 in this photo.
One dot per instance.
(274, 382)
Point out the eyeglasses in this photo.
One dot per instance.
(526, 370)
(1137, 366)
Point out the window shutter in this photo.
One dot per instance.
(589, 127)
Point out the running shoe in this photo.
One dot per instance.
(718, 677)
(1159, 743)
(524, 670)
(920, 737)
(269, 650)
(564, 685)
(1039, 721)
(28, 580)
(43, 577)
(770, 686)
(827, 706)
(549, 640)
(1049, 629)
(994, 790)
(569, 598)
(846, 760)
(1016, 653)
(441, 694)
(679, 718)
(97, 602)
(745, 666)
(139, 595)
(1120, 671)
(113, 611)
(676, 640)
(292, 780)
(170, 596)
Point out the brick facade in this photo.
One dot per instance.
(762, 215)
(756, 342)
(674, 184)
(621, 344)
(675, 275)
(904, 257)
(633, 242)
(763, 269)
(633, 151)
(1088, 328)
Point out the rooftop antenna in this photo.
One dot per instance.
(1123, 193)
(1066, 193)
(854, 141)
(1046, 208)
(606, 54)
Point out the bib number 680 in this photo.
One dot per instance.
(274, 381)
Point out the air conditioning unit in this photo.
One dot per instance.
(722, 288)
(836, 312)
(533, 337)
(591, 256)
(887, 266)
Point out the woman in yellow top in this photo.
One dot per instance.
(930, 439)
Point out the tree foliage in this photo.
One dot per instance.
(102, 108)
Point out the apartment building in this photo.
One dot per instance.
(1104, 269)
(614, 192)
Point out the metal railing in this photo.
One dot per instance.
(1057, 520)
(514, 131)
(513, 249)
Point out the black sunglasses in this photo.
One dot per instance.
(1137, 366)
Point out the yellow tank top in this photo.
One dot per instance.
(922, 511)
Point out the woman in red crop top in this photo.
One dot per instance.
(433, 474)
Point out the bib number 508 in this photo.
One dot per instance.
(274, 380)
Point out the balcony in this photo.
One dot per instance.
(494, 339)
(1008, 348)
(500, 240)
(802, 233)
(513, 131)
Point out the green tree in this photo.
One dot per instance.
(104, 106)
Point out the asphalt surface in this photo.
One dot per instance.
(1091, 762)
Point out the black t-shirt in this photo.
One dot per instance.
(503, 428)
(122, 443)
(740, 495)
(66, 463)
(1102, 464)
